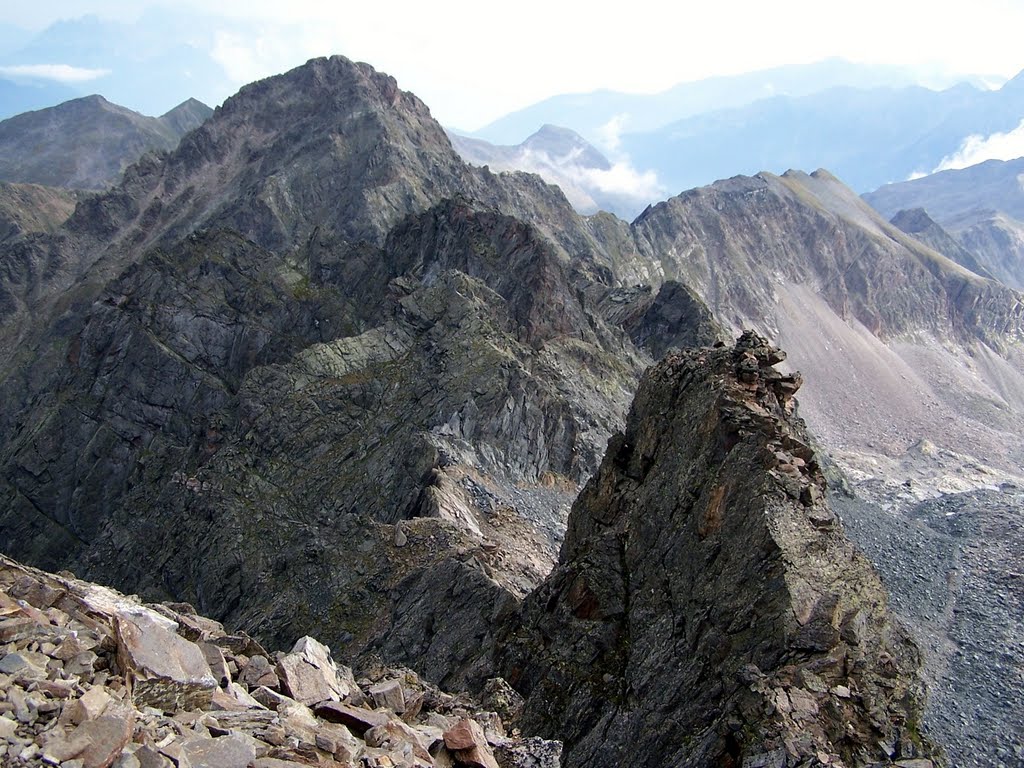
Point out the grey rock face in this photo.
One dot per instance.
(463, 372)
(707, 608)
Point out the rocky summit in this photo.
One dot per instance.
(90, 678)
(707, 608)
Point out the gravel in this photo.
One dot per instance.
(954, 567)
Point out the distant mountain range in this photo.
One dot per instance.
(866, 137)
(868, 126)
(150, 64)
(86, 143)
(982, 206)
(601, 115)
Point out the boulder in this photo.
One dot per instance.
(232, 751)
(468, 744)
(163, 669)
(309, 674)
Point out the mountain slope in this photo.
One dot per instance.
(998, 240)
(982, 206)
(313, 338)
(307, 345)
(26, 208)
(86, 143)
(917, 223)
(874, 318)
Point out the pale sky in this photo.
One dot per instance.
(472, 62)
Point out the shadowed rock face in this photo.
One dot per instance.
(258, 423)
(707, 608)
(308, 324)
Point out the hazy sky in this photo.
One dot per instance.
(472, 63)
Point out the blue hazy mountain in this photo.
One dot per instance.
(590, 113)
(867, 137)
(17, 96)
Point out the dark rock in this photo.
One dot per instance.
(693, 582)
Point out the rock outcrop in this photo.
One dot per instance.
(79, 666)
(464, 373)
(707, 608)
(877, 321)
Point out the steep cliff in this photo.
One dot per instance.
(707, 608)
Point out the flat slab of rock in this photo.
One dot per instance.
(97, 743)
(356, 719)
(164, 670)
(232, 751)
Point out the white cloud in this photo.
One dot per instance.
(623, 179)
(977, 149)
(249, 57)
(62, 73)
(610, 134)
(620, 179)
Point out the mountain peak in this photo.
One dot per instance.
(85, 143)
(703, 562)
(190, 114)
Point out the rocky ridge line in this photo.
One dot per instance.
(90, 678)
(707, 608)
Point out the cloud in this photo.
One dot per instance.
(623, 179)
(62, 73)
(977, 148)
(620, 179)
(610, 134)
